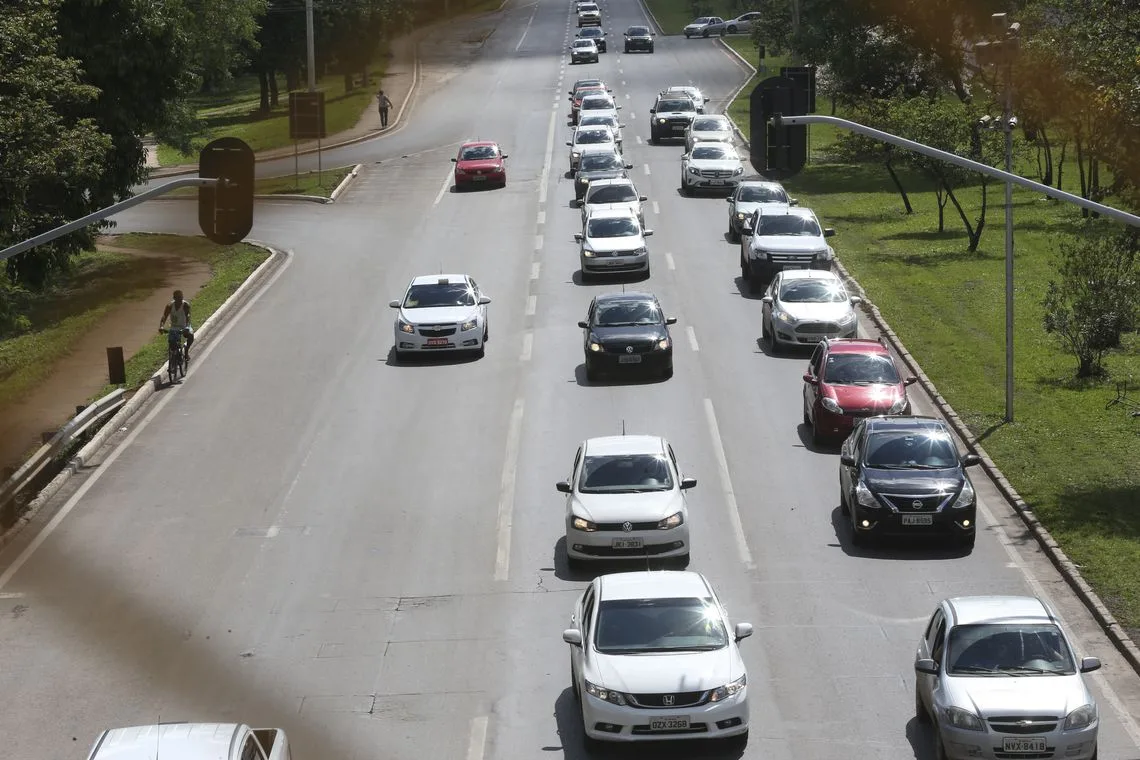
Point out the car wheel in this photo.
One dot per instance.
(650, 50)
(685, 190)
(683, 561)
(807, 417)
(745, 270)
(733, 235)
(486, 332)
(592, 375)
(764, 336)
(688, 36)
(574, 685)
(967, 544)
(401, 356)
(732, 30)
(816, 434)
(705, 34)
(920, 713)
(480, 352)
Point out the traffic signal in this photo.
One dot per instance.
(777, 151)
(225, 210)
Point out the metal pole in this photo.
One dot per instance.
(1007, 116)
(309, 35)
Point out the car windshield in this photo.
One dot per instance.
(1008, 649)
(625, 473)
(911, 450)
(596, 103)
(596, 162)
(478, 152)
(609, 228)
(435, 295)
(676, 105)
(788, 225)
(591, 32)
(813, 291)
(710, 125)
(588, 7)
(638, 31)
(581, 83)
(627, 314)
(584, 43)
(612, 194)
(593, 136)
(860, 369)
(761, 194)
(711, 153)
(640, 626)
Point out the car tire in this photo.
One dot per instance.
(575, 565)
(858, 539)
(733, 235)
(967, 544)
(817, 436)
(480, 352)
(592, 374)
(685, 191)
(650, 49)
(807, 417)
(627, 49)
(688, 36)
(732, 30)
(920, 713)
(745, 270)
(486, 333)
(574, 685)
(401, 357)
(683, 561)
(705, 34)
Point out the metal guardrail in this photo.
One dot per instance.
(75, 427)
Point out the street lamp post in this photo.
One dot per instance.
(311, 44)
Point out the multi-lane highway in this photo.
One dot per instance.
(306, 535)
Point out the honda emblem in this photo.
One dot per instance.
(667, 700)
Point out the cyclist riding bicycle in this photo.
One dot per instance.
(178, 312)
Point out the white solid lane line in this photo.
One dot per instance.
(444, 188)
(477, 744)
(669, 261)
(531, 305)
(692, 338)
(545, 177)
(726, 486)
(528, 23)
(507, 493)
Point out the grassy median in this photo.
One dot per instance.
(1073, 457)
(315, 184)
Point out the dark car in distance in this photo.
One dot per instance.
(596, 34)
(595, 166)
(903, 476)
(638, 39)
(627, 332)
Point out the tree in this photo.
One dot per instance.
(1096, 299)
(52, 153)
(221, 36)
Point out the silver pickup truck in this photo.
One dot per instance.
(191, 741)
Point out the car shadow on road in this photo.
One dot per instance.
(796, 353)
(921, 740)
(829, 447)
(475, 188)
(617, 279)
(744, 290)
(642, 378)
(892, 548)
(429, 359)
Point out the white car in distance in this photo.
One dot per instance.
(590, 140)
(597, 119)
(612, 194)
(625, 499)
(687, 91)
(613, 242)
(441, 312)
(715, 128)
(752, 196)
(715, 166)
(653, 657)
(583, 51)
(598, 104)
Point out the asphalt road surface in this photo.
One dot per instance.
(305, 535)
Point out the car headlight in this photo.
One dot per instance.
(738, 172)
(606, 695)
(761, 253)
(739, 215)
(580, 523)
(694, 171)
(470, 324)
(784, 316)
(864, 496)
(899, 406)
(729, 689)
(831, 405)
(672, 521)
(660, 121)
(662, 344)
(588, 253)
(963, 719)
(595, 346)
(405, 327)
(575, 154)
(1083, 717)
(847, 318)
(638, 251)
(965, 496)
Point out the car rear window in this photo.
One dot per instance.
(612, 194)
(676, 105)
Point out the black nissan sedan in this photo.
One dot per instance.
(903, 476)
(627, 332)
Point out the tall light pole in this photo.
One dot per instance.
(310, 39)
(1002, 53)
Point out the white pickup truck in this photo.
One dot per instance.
(191, 741)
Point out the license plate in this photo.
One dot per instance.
(437, 341)
(1034, 744)
(678, 127)
(668, 724)
(918, 519)
(629, 359)
(716, 181)
(795, 266)
(479, 177)
(627, 543)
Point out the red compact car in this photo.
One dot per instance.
(480, 163)
(849, 378)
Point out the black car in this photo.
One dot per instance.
(595, 166)
(904, 476)
(638, 38)
(627, 332)
(596, 34)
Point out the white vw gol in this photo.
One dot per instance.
(653, 657)
(626, 500)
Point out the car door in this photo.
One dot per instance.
(478, 293)
(933, 645)
(852, 446)
(677, 478)
(582, 620)
(815, 369)
(573, 480)
(773, 291)
(586, 343)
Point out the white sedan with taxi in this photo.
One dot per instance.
(441, 312)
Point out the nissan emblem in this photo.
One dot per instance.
(916, 504)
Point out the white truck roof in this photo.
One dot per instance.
(168, 741)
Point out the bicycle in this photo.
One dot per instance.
(176, 359)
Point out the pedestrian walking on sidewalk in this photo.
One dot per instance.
(384, 102)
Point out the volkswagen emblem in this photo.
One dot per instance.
(667, 700)
(627, 526)
(629, 349)
(916, 504)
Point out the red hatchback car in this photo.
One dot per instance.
(849, 378)
(480, 163)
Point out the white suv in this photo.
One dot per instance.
(589, 14)
(783, 238)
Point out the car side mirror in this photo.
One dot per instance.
(729, 199)
(828, 232)
(584, 325)
(793, 201)
(1089, 664)
(670, 320)
(621, 126)
(629, 166)
(484, 300)
(577, 237)
(652, 110)
(619, 107)
(642, 198)
(810, 378)
(767, 300)
(687, 483)
(505, 156)
(846, 460)
(572, 636)
(970, 460)
(563, 486)
(927, 666)
(856, 300)
(569, 144)
(454, 160)
(647, 233)
(394, 304)
(910, 381)
(742, 631)
(576, 203)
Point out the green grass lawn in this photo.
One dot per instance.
(307, 183)
(674, 15)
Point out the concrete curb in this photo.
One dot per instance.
(344, 183)
(1068, 569)
(652, 19)
(145, 391)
